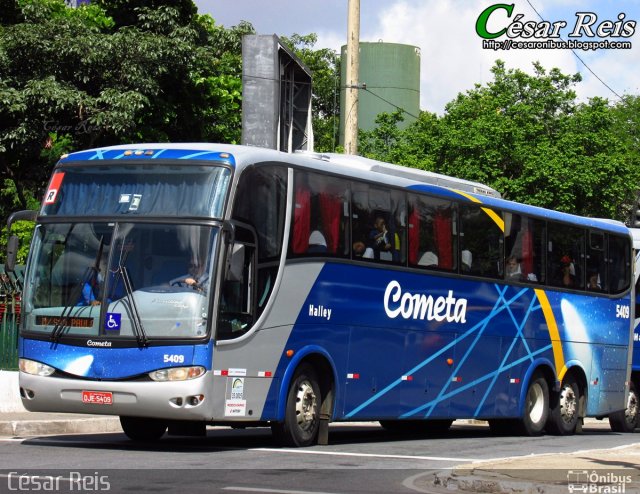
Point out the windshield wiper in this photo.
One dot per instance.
(136, 321)
(75, 294)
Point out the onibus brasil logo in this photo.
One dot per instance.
(586, 31)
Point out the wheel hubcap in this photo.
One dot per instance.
(631, 413)
(568, 404)
(306, 406)
(536, 404)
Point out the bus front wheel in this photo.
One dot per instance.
(302, 413)
(627, 420)
(143, 429)
(536, 407)
(565, 411)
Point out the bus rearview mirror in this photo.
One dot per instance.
(12, 253)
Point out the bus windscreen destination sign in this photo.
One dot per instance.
(74, 322)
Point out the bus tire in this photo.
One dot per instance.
(143, 429)
(302, 413)
(565, 411)
(536, 407)
(627, 420)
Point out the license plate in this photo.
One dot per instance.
(97, 397)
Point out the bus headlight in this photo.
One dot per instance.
(35, 368)
(177, 374)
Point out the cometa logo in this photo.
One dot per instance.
(98, 343)
(419, 306)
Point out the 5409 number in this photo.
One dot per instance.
(622, 311)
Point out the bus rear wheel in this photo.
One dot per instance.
(536, 407)
(302, 413)
(143, 429)
(627, 420)
(565, 411)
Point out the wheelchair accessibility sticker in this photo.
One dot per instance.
(112, 322)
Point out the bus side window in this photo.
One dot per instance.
(320, 216)
(524, 249)
(481, 242)
(566, 256)
(619, 264)
(432, 242)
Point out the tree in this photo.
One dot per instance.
(528, 137)
(73, 79)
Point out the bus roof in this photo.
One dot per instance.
(358, 167)
(425, 176)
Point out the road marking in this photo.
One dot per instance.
(364, 455)
(277, 491)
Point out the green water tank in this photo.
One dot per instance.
(391, 73)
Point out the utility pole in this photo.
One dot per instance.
(353, 67)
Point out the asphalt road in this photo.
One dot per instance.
(359, 459)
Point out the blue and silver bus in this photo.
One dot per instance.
(177, 286)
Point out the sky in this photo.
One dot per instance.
(453, 58)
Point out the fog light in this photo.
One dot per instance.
(195, 400)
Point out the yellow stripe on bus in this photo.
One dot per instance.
(490, 212)
(554, 334)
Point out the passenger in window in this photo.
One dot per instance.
(361, 250)
(91, 289)
(513, 271)
(317, 243)
(381, 240)
(88, 294)
(567, 272)
(594, 282)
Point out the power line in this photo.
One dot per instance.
(390, 103)
(578, 56)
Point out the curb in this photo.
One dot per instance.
(451, 482)
(22, 428)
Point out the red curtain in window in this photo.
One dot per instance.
(443, 238)
(301, 221)
(527, 248)
(330, 207)
(414, 236)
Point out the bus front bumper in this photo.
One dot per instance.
(180, 400)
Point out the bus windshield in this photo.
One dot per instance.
(120, 280)
(135, 189)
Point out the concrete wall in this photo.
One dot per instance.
(9, 392)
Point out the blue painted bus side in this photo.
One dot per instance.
(470, 354)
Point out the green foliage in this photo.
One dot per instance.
(528, 137)
(109, 73)
(75, 78)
